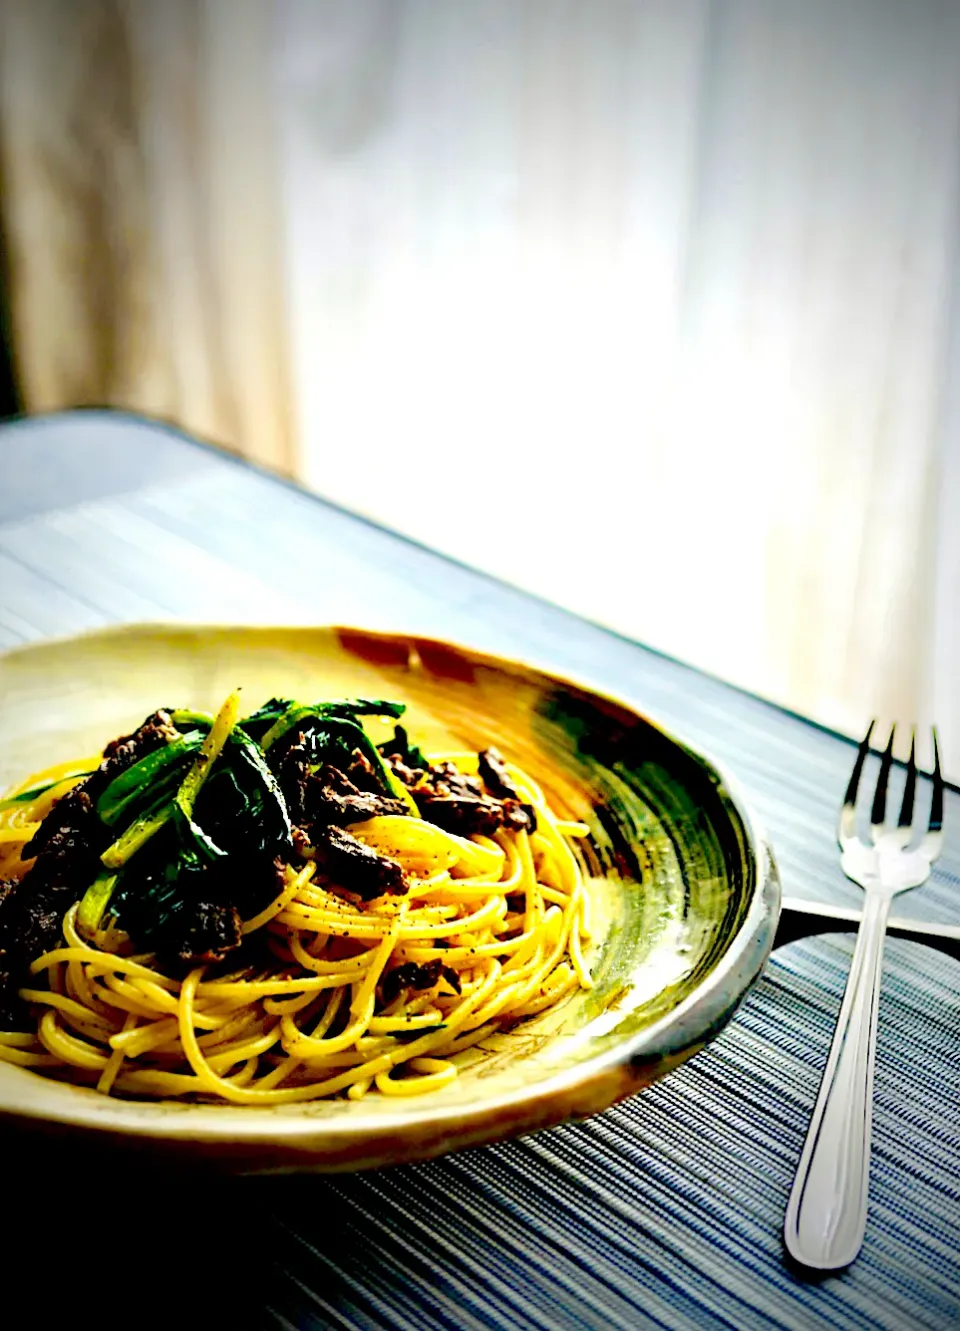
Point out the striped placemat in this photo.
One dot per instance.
(667, 1210)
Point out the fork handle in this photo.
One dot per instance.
(827, 1212)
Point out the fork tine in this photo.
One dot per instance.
(880, 795)
(910, 786)
(847, 827)
(936, 798)
(853, 784)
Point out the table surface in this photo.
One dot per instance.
(664, 1211)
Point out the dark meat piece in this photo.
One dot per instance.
(64, 868)
(362, 774)
(440, 779)
(118, 756)
(495, 776)
(356, 868)
(458, 803)
(292, 773)
(198, 932)
(331, 797)
(122, 753)
(410, 776)
(412, 975)
(62, 831)
(521, 817)
(503, 809)
(33, 909)
(8, 888)
(466, 815)
(71, 838)
(8, 1001)
(445, 779)
(67, 846)
(469, 813)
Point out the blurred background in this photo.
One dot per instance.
(649, 307)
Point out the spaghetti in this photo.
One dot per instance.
(332, 988)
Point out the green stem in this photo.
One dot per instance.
(139, 833)
(28, 796)
(95, 902)
(210, 751)
(183, 716)
(150, 775)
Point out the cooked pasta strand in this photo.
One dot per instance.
(343, 997)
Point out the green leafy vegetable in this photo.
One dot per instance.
(334, 734)
(251, 816)
(95, 901)
(209, 803)
(184, 716)
(195, 844)
(295, 714)
(140, 832)
(409, 754)
(162, 768)
(210, 750)
(259, 722)
(27, 796)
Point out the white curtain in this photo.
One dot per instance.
(648, 307)
(138, 149)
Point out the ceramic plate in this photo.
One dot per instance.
(684, 890)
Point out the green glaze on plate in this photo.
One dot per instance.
(683, 889)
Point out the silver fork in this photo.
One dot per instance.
(827, 1212)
